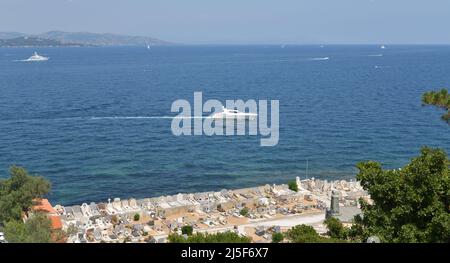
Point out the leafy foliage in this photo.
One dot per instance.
(226, 237)
(293, 186)
(277, 237)
(409, 205)
(187, 230)
(244, 211)
(136, 217)
(307, 234)
(16, 198)
(440, 99)
(72, 230)
(37, 229)
(335, 228)
(17, 193)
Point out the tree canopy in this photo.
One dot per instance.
(16, 198)
(335, 228)
(440, 99)
(277, 237)
(307, 234)
(187, 230)
(410, 204)
(244, 211)
(37, 229)
(17, 193)
(293, 186)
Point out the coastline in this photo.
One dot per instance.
(269, 207)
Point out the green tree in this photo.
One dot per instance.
(356, 232)
(244, 211)
(187, 230)
(175, 238)
(277, 237)
(15, 231)
(304, 234)
(335, 228)
(17, 193)
(37, 229)
(72, 230)
(136, 217)
(226, 237)
(293, 186)
(439, 99)
(410, 204)
(16, 198)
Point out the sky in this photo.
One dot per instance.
(240, 21)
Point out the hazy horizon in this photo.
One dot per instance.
(234, 22)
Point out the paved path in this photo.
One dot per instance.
(287, 221)
(290, 221)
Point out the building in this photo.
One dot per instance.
(44, 206)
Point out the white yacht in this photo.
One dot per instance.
(382, 47)
(37, 57)
(233, 114)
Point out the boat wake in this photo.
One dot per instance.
(376, 66)
(375, 55)
(29, 60)
(324, 58)
(146, 117)
(67, 119)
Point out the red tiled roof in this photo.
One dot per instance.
(56, 222)
(43, 205)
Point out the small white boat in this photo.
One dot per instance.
(233, 114)
(324, 58)
(382, 47)
(148, 46)
(36, 57)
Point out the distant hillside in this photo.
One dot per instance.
(86, 38)
(102, 39)
(34, 42)
(10, 35)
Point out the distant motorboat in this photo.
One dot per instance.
(233, 114)
(324, 58)
(36, 57)
(382, 47)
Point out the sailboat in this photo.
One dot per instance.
(148, 46)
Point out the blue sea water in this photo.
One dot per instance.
(334, 113)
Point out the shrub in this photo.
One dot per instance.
(136, 217)
(244, 211)
(277, 237)
(293, 186)
(226, 237)
(187, 230)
